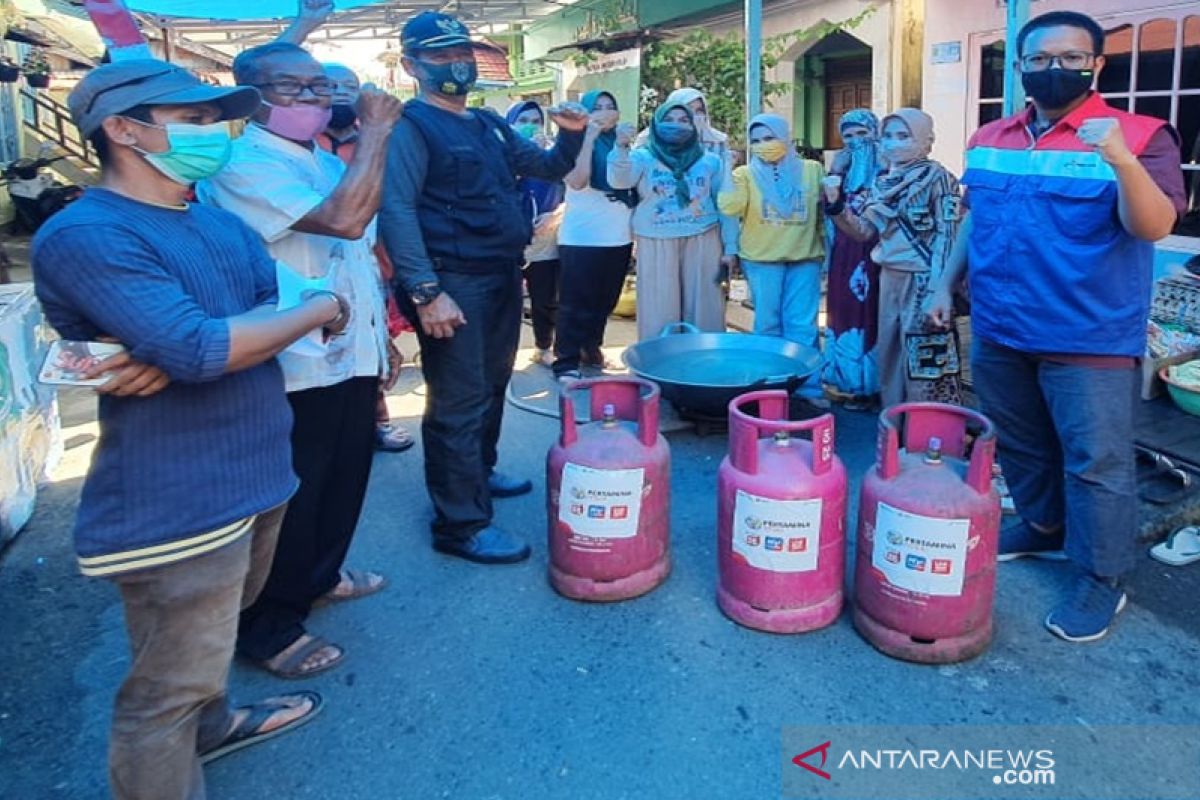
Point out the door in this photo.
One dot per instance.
(847, 86)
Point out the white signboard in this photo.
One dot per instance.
(602, 503)
(611, 62)
(777, 535)
(921, 554)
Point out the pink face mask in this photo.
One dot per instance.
(300, 122)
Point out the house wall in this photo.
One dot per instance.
(804, 103)
(951, 90)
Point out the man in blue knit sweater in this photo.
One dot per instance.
(192, 472)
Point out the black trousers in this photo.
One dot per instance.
(590, 286)
(333, 442)
(466, 377)
(542, 279)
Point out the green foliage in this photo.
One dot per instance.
(716, 65)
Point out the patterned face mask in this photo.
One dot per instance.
(455, 78)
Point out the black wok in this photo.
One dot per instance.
(701, 372)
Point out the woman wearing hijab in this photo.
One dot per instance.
(594, 244)
(852, 299)
(683, 242)
(541, 256)
(712, 140)
(777, 196)
(914, 210)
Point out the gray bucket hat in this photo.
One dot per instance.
(114, 88)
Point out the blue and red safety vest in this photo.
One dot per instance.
(1052, 270)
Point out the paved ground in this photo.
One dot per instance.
(479, 683)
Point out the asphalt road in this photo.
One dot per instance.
(480, 682)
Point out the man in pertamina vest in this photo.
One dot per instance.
(1065, 201)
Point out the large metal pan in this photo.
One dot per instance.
(701, 372)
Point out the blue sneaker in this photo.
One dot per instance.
(1021, 540)
(1086, 615)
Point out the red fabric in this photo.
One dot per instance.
(344, 150)
(1012, 133)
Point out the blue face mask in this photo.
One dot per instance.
(858, 143)
(528, 130)
(455, 78)
(674, 132)
(194, 152)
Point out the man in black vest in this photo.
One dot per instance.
(455, 226)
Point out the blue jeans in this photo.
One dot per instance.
(787, 296)
(1065, 441)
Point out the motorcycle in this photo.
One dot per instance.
(35, 193)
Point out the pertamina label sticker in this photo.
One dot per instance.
(602, 503)
(921, 554)
(777, 535)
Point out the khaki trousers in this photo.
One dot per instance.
(182, 621)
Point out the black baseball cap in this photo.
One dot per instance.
(112, 89)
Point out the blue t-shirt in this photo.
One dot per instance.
(172, 472)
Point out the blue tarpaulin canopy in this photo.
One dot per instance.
(247, 22)
(231, 9)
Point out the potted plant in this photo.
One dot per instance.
(37, 70)
(9, 71)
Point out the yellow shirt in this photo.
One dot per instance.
(768, 236)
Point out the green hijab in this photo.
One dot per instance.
(678, 158)
(605, 142)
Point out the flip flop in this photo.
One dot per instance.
(247, 731)
(360, 580)
(1180, 549)
(290, 668)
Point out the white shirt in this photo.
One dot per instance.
(591, 219)
(272, 183)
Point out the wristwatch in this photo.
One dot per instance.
(425, 293)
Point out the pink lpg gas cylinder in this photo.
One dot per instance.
(781, 509)
(609, 494)
(928, 530)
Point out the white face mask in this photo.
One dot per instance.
(701, 119)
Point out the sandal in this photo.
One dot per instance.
(247, 732)
(1180, 549)
(360, 586)
(292, 667)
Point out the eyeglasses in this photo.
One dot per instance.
(1073, 59)
(293, 88)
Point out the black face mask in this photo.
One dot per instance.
(344, 115)
(1057, 88)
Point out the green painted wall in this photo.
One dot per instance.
(623, 84)
(577, 22)
(808, 111)
(656, 12)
